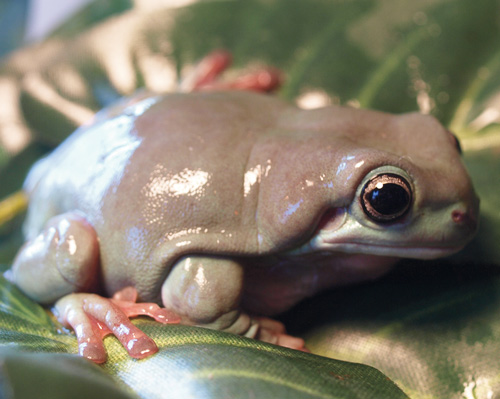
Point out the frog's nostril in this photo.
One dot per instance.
(464, 218)
(458, 216)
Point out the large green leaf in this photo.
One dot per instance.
(192, 362)
(54, 376)
(431, 327)
(196, 362)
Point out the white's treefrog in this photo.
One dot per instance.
(223, 206)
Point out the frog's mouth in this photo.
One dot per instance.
(394, 250)
(339, 231)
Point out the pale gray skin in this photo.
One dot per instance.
(209, 204)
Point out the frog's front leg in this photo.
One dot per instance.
(207, 291)
(63, 260)
(93, 317)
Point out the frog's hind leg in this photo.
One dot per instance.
(63, 258)
(207, 292)
(206, 76)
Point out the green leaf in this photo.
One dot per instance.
(430, 326)
(13, 304)
(484, 167)
(437, 334)
(93, 13)
(194, 361)
(26, 325)
(53, 376)
(191, 360)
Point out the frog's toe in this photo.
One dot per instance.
(126, 299)
(88, 332)
(271, 325)
(93, 351)
(281, 339)
(205, 76)
(289, 341)
(92, 317)
(273, 331)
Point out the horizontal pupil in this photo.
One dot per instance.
(391, 199)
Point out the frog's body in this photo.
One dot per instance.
(217, 203)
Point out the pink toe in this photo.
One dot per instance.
(292, 342)
(166, 316)
(141, 347)
(93, 351)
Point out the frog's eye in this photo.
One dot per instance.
(386, 197)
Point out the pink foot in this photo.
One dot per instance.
(264, 80)
(205, 77)
(210, 67)
(274, 332)
(93, 317)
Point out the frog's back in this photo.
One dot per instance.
(186, 178)
(166, 172)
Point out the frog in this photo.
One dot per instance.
(222, 207)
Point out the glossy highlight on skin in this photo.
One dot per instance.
(187, 182)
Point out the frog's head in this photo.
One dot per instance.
(410, 194)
